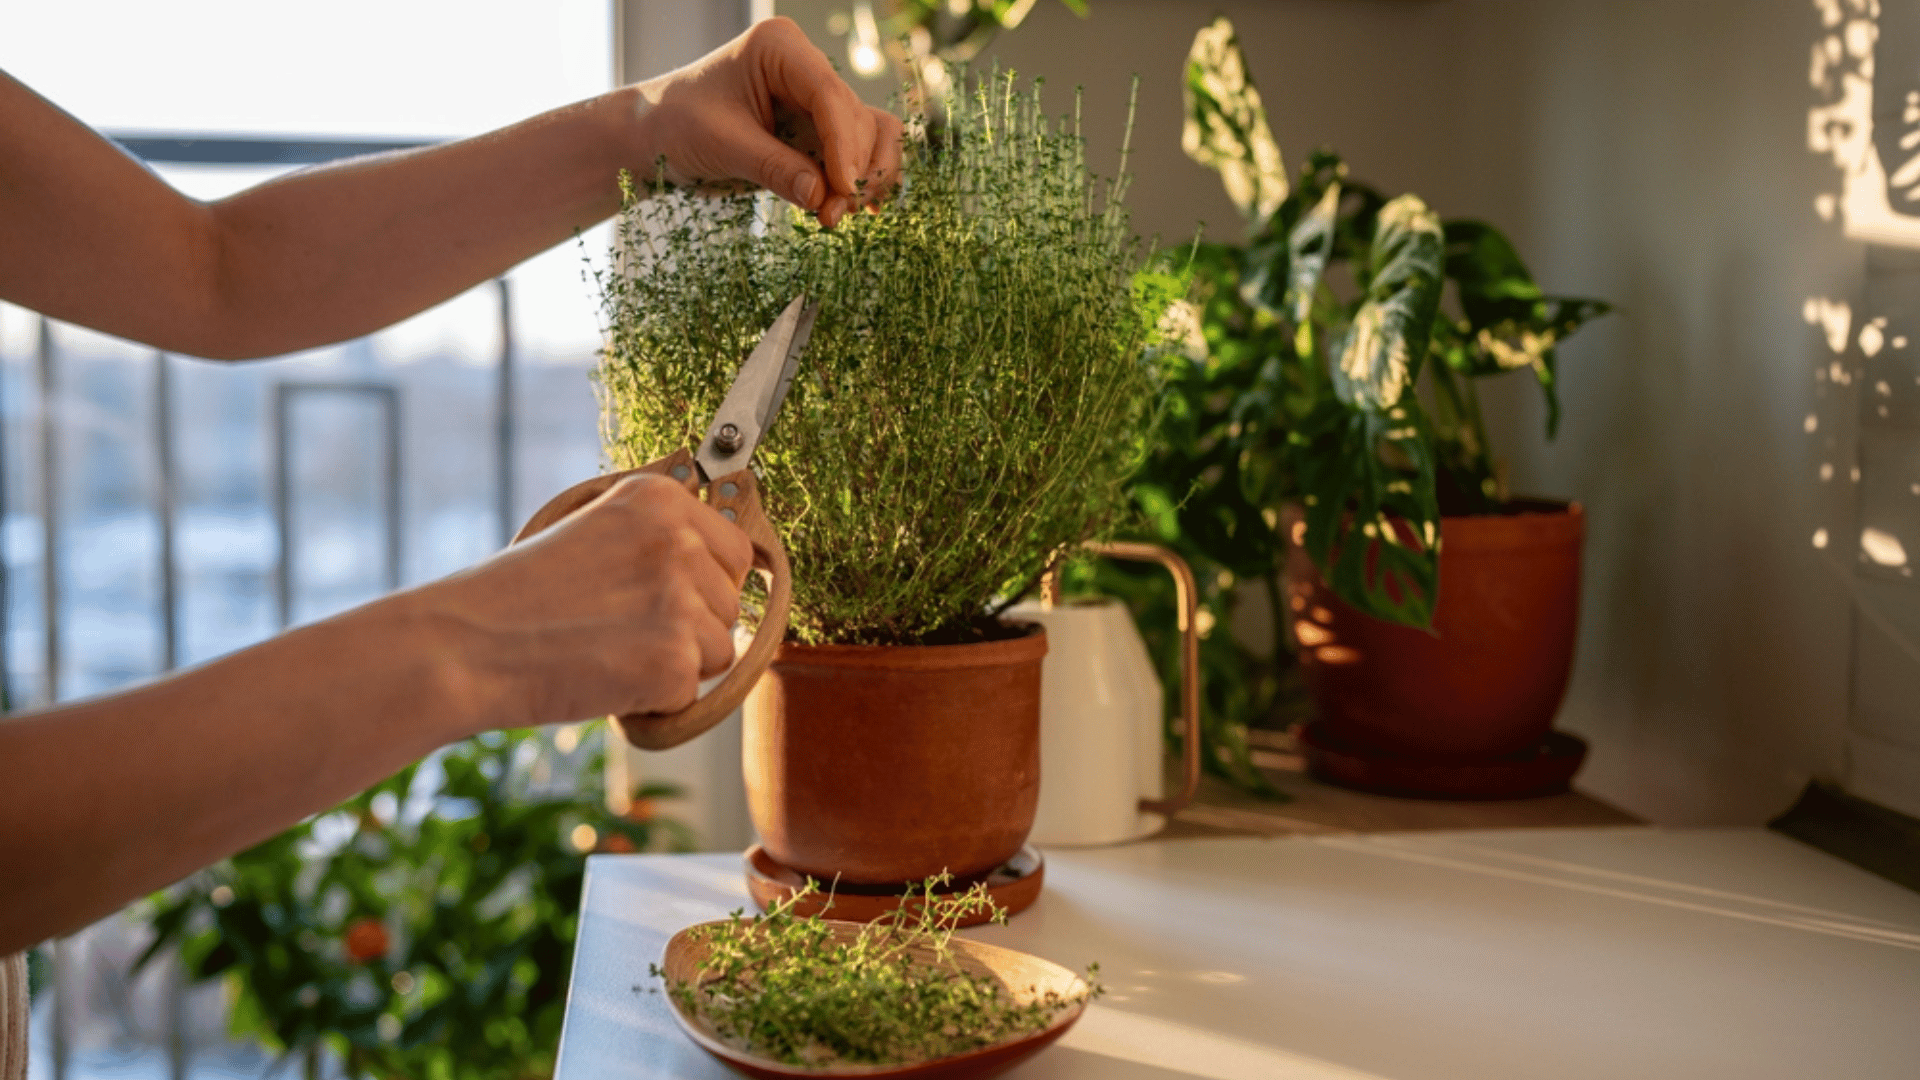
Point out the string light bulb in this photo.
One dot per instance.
(863, 46)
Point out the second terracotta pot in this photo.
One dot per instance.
(1488, 678)
(887, 764)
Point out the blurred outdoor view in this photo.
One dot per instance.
(151, 480)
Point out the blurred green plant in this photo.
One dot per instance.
(924, 37)
(1317, 331)
(1198, 490)
(1290, 365)
(423, 929)
(974, 394)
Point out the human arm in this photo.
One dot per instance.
(90, 236)
(620, 608)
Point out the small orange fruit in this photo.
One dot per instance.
(367, 940)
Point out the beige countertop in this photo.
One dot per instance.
(1624, 951)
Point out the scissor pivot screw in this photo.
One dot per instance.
(727, 439)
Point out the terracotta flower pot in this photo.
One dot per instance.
(887, 764)
(1489, 678)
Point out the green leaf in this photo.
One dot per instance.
(1379, 356)
(1494, 284)
(167, 922)
(1372, 525)
(1510, 324)
(1154, 292)
(1308, 249)
(1159, 510)
(1226, 128)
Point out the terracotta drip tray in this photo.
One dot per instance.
(1014, 886)
(1545, 768)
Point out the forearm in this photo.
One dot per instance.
(108, 799)
(89, 236)
(335, 252)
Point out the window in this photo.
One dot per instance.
(142, 522)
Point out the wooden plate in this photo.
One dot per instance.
(1024, 976)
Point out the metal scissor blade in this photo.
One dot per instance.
(801, 332)
(756, 393)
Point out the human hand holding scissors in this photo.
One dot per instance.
(720, 469)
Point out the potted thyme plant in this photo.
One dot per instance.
(1433, 612)
(972, 400)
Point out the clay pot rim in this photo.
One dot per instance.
(1532, 506)
(1028, 647)
(1545, 523)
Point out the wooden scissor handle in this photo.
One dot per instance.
(736, 495)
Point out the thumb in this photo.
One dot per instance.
(758, 157)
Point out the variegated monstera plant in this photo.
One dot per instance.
(1316, 334)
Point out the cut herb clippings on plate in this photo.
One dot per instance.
(780, 995)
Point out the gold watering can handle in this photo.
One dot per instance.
(1186, 599)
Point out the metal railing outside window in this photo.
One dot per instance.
(77, 611)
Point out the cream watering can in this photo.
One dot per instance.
(1101, 774)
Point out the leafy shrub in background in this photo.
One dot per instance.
(1294, 377)
(1318, 331)
(424, 928)
(973, 397)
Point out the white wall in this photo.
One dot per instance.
(1654, 154)
(1665, 166)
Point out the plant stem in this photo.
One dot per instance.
(1272, 582)
(1483, 449)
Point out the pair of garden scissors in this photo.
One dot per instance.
(720, 469)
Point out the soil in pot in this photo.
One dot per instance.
(882, 764)
(1489, 678)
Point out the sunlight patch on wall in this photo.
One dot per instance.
(1864, 69)
(1879, 198)
(1834, 317)
(1882, 547)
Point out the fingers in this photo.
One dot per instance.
(716, 647)
(621, 606)
(701, 560)
(717, 588)
(796, 71)
(757, 156)
(880, 175)
(676, 671)
(769, 109)
(884, 171)
(726, 542)
(666, 502)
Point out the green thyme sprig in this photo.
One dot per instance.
(974, 394)
(788, 988)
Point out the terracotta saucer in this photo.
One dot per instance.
(1545, 768)
(1014, 886)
